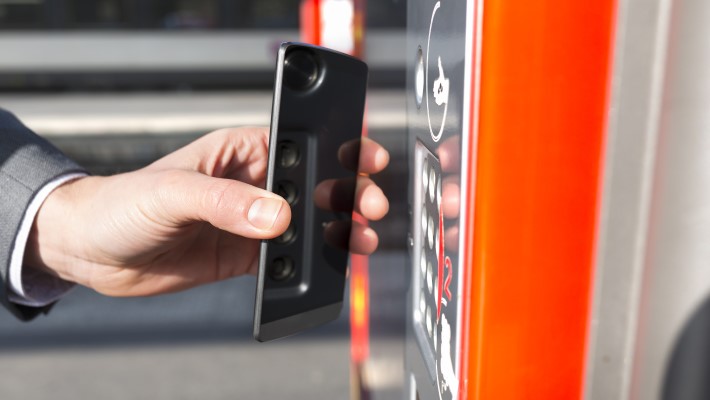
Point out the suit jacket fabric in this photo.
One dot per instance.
(27, 163)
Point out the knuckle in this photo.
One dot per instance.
(216, 197)
(224, 132)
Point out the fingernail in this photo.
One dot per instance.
(263, 212)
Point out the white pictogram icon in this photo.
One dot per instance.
(447, 366)
(440, 86)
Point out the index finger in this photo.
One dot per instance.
(449, 153)
(372, 157)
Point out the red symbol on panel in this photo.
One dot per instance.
(444, 265)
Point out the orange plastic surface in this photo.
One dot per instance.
(310, 21)
(545, 70)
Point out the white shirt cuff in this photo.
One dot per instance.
(31, 287)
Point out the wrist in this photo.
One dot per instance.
(52, 244)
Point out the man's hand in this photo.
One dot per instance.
(190, 218)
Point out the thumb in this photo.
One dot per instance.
(230, 205)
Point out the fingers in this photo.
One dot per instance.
(336, 195)
(451, 196)
(352, 236)
(233, 206)
(370, 201)
(450, 154)
(363, 155)
(235, 153)
(451, 236)
(363, 239)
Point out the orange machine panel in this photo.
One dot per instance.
(544, 83)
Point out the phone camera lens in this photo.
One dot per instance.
(300, 70)
(288, 154)
(281, 269)
(287, 190)
(287, 237)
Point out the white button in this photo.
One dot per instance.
(430, 233)
(432, 184)
(419, 78)
(424, 219)
(429, 277)
(437, 243)
(422, 264)
(436, 287)
(438, 194)
(425, 177)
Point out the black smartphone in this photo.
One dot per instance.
(316, 125)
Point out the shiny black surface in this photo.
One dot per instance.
(319, 98)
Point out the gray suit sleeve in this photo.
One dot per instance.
(27, 163)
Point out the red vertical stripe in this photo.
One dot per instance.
(529, 243)
(310, 20)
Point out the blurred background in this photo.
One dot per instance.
(118, 83)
